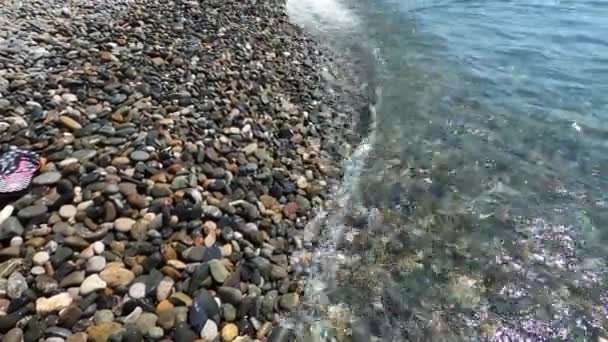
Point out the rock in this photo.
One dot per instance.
(184, 334)
(289, 301)
(117, 276)
(102, 316)
(212, 211)
(78, 337)
(137, 201)
(73, 279)
(47, 178)
(69, 316)
(41, 258)
(70, 123)
(145, 322)
(124, 224)
(11, 227)
(33, 211)
(6, 212)
(230, 295)
(127, 188)
(161, 190)
(67, 212)
(13, 335)
(209, 331)
(218, 271)
(137, 290)
(96, 264)
(102, 332)
(156, 333)
(206, 302)
(164, 288)
(132, 334)
(228, 312)
(53, 304)
(17, 284)
(229, 332)
(139, 155)
(91, 284)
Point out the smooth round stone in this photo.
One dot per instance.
(67, 211)
(98, 247)
(124, 224)
(137, 290)
(14, 335)
(111, 189)
(209, 331)
(96, 264)
(32, 211)
(116, 276)
(139, 155)
(218, 271)
(84, 155)
(101, 316)
(16, 241)
(91, 284)
(47, 178)
(41, 258)
(228, 312)
(17, 284)
(229, 332)
(37, 270)
(156, 333)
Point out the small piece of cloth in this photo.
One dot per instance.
(17, 168)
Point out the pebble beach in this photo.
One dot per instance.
(186, 144)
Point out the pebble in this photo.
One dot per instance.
(13, 335)
(164, 288)
(139, 155)
(11, 227)
(32, 212)
(91, 284)
(137, 290)
(54, 303)
(96, 264)
(229, 332)
(41, 258)
(209, 331)
(218, 271)
(124, 224)
(47, 178)
(67, 211)
(102, 332)
(102, 316)
(116, 276)
(17, 284)
(145, 322)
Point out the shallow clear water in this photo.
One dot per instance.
(476, 208)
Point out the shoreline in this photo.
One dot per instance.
(188, 143)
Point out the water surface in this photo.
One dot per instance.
(475, 208)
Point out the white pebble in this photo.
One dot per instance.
(137, 291)
(98, 247)
(209, 331)
(16, 241)
(37, 270)
(41, 258)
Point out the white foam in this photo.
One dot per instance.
(321, 15)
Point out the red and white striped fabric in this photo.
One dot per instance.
(17, 168)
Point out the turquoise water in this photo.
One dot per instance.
(476, 207)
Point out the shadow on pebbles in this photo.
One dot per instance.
(186, 145)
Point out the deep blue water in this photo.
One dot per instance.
(476, 207)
